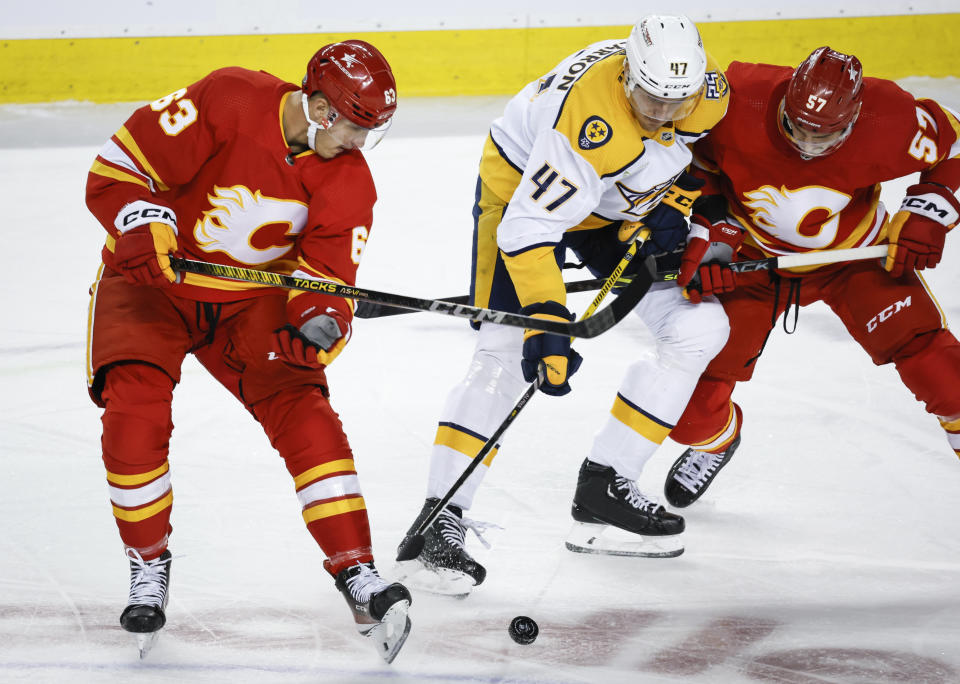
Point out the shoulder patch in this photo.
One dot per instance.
(716, 85)
(594, 133)
(545, 83)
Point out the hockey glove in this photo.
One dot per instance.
(668, 220)
(317, 342)
(553, 351)
(917, 232)
(142, 255)
(705, 264)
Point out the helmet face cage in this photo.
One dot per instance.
(822, 102)
(664, 68)
(356, 80)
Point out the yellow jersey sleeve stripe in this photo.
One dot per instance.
(101, 169)
(332, 508)
(143, 513)
(123, 135)
(139, 479)
(642, 423)
(463, 441)
(343, 465)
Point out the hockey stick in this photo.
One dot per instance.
(413, 541)
(587, 326)
(371, 310)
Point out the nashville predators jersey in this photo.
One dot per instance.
(790, 205)
(569, 154)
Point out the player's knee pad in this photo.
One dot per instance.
(693, 335)
(136, 418)
(496, 361)
(303, 427)
(929, 366)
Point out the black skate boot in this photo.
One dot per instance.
(379, 608)
(613, 517)
(445, 566)
(144, 614)
(693, 472)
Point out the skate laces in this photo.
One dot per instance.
(634, 496)
(148, 581)
(453, 529)
(695, 470)
(365, 583)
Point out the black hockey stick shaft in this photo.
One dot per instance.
(769, 263)
(413, 541)
(585, 327)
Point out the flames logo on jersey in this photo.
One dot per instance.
(594, 133)
(249, 227)
(807, 217)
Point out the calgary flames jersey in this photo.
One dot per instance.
(789, 204)
(212, 161)
(568, 152)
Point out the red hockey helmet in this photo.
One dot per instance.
(822, 102)
(357, 81)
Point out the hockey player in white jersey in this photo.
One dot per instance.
(579, 160)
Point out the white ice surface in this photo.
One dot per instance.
(827, 551)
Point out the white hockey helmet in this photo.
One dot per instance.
(664, 69)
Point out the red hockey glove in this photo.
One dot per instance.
(713, 243)
(553, 351)
(917, 232)
(142, 254)
(316, 344)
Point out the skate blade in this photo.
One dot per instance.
(612, 541)
(146, 641)
(391, 633)
(441, 581)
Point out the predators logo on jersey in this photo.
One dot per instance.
(594, 133)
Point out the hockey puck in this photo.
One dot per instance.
(523, 630)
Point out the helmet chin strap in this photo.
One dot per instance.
(315, 125)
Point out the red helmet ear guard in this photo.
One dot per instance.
(357, 81)
(825, 91)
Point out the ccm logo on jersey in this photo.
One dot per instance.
(140, 213)
(887, 313)
(594, 133)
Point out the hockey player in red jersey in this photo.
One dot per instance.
(799, 159)
(239, 168)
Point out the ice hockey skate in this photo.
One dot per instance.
(444, 566)
(144, 614)
(693, 472)
(612, 517)
(379, 608)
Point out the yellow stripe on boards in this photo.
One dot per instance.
(143, 513)
(327, 510)
(444, 63)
